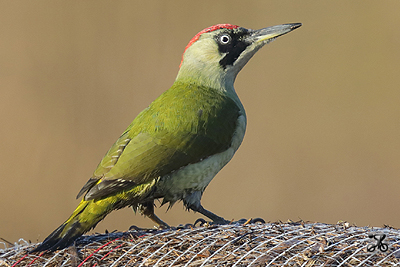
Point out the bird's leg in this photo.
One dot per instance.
(219, 220)
(192, 201)
(214, 217)
(147, 209)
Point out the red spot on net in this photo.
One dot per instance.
(209, 29)
(15, 264)
(29, 264)
(91, 255)
(108, 253)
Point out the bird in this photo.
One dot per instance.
(174, 147)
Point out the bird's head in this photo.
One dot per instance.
(216, 54)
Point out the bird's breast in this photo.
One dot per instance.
(196, 176)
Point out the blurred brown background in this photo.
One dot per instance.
(323, 136)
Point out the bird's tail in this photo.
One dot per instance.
(84, 218)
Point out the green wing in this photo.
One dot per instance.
(184, 125)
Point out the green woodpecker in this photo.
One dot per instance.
(175, 147)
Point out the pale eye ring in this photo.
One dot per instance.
(225, 39)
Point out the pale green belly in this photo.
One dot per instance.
(195, 177)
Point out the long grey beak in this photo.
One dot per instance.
(268, 34)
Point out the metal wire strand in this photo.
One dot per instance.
(268, 244)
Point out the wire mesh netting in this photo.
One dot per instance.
(267, 244)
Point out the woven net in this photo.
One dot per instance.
(266, 244)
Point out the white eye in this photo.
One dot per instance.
(225, 39)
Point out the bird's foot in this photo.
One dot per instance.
(136, 228)
(158, 227)
(185, 226)
(202, 222)
(249, 221)
(163, 226)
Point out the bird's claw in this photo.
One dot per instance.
(135, 228)
(257, 220)
(186, 226)
(163, 227)
(249, 221)
(205, 223)
(159, 227)
(241, 221)
(202, 222)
